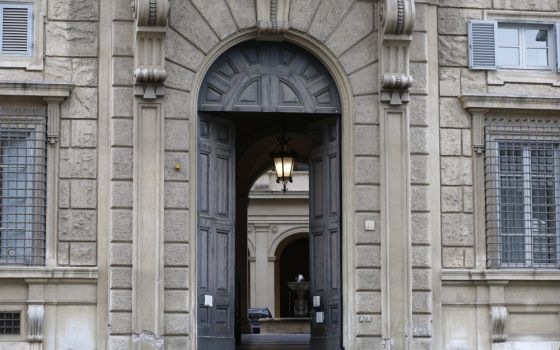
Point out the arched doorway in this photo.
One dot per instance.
(249, 94)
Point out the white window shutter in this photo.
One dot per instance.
(482, 44)
(557, 32)
(16, 30)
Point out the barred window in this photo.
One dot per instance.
(22, 189)
(10, 323)
(523, 195)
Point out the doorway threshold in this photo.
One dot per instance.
(274, 342)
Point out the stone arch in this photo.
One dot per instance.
(268, 77)
(283, 238)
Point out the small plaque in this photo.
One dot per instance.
(370, 225)
(319, 317)
(208, 300)
(316, 300)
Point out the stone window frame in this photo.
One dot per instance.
(34, 62)
(501, 76)
(480, 106)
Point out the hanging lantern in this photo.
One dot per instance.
(284, 159)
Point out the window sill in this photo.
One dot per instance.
(502, 76)
(44, 272)
(500, 275)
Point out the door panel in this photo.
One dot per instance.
(216, 234)
(324, 222)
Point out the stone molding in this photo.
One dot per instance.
(35, 317)
(149, 69)
(46, 273)
(499, 319)
(472, 102)
(273, 17)
(453, 276)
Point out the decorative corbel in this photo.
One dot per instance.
(499, 318)
(272, 17)
(35, 316)
(151, 25)
(397, 23)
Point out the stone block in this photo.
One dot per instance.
(452, 114)
(63, 253)
(84, 10)
(368, 279)
(176, 323)
(473, 81)
(453, 51)
(422, 325)
(363, 81)
(123, 38)
(121, 342)
(223, 25)
(418, 110)
(372, 328)
(121, 194)
(370, 342)
(420, 23)
(420, 225)
(178, 77)
(82, 104)
(121, 224)
(122, 163)
(58, 68)
(469, 258)
(328, 16)
(453, 258)
(65, 133)
(120, 300)
(421, 279)
(123, 102)
(419, 71)
(64, 194)
(122, 132)
(366, 198)
(456, 171)
(299, 13)
(83, 194)
(121, 323)
(20, 75)
(360, 55)
(177, 104)
(123, 71)
(454, 21)
(368, 256)
(418, 140)
(541, 90)
(176, 277)
(421, 256)
(457, 230)
(531, 5)
(176, 342)
(172, 159)
(366, 109)
(176, 195)
(363, 236)
(368, 302)
(177, 134)
(420, 198)
(176, 225)
(449, 81)
(77, 225)
(84, 71)
(357, 23)
(484, 4)
(468, 197)
(176, 254)
(450, 142)
(419, 48)
(420, 170)
(366, 170)
(121, 254)
(244, 13)
(74, 39)
(422, 302)
(83, 254)
(467, 143)
(122, 10)
(176, 300)
(421, 344)
(84, 133)
(179, 50)
(189, 23)
(451, 199)
(366, 140)
(121, 277)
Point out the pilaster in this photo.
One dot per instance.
(148, 179)
(397, 23)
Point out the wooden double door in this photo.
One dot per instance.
(216, 194)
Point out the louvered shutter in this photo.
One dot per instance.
(482, 44)
(16, 29)
(557, 31)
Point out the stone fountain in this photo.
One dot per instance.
(302, 289)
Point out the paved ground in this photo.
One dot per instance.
(274, 342)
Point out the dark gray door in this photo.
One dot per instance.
(324, 239)
(216, 234)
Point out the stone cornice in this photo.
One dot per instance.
(45, 89)
(517, 102)
(47, 273)
(499, 275)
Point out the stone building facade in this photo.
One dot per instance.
(429, 100)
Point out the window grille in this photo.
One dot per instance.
(22, 189)
(523, 194)
(10, 323)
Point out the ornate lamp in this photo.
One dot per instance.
(284, 158)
